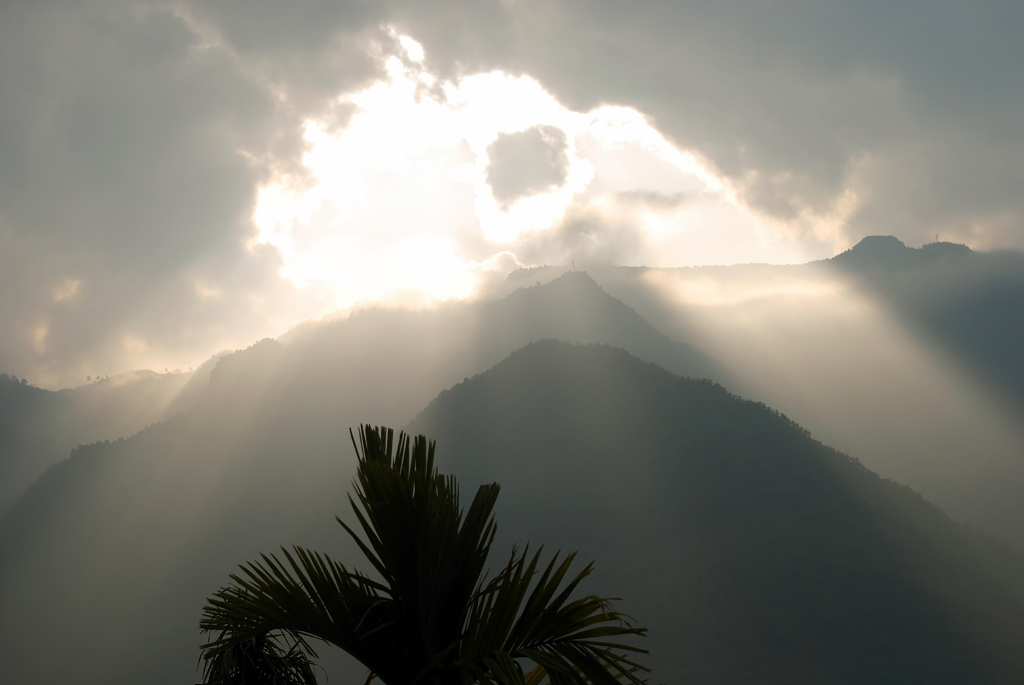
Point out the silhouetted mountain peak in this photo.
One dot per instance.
(888, 252)
(754, 552)
(944, 249)
(879, 247)
(575, 278)
(575, 308)
(573, 288)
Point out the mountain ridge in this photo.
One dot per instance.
(756, 510)
(39, 427)
(159, 519)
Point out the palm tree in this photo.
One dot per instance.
(429, 615)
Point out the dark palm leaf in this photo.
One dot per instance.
(261, 660)
(569, 640)
(430, 617)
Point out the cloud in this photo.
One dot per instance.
(429, 180)
(655, 200)
(526, 163)
(587, 235)
(905, 116)
(136, 139)
(133, 139)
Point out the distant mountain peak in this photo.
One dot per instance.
(879, 245)
(575, 308)
(579, 278)
(888, 252)
(944, 248)
(576, 276)
(530, 277)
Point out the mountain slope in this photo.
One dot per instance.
(352, 365)
(574, 308)
(906, 358)
(148, 526)
(358, 362)
(40, 427)
(971, 303)
(754, 553)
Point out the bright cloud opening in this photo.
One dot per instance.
(401, 208)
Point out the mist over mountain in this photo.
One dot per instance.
(770, 545)
(38, 427)
(389, 363)
(903, 357)
(968, 302)
(329, 366)
(754, 553)
(109, 556)
(799, 459)
(151, 524)
(377, 349)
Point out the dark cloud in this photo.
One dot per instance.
(133, 138)
(655, 200)
(133, 135)
(526, 163)
(586, 236)
(918, 106)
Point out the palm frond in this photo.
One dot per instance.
(310, 596)
(428, 616)
(430, 552)
(266, 660)
(573, 641)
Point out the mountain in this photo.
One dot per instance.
(886, 254)
(754, 553)
(907, 358)
(759, 541)
(40, 427)
(147, 526)
(358, 361)
(970, 303)
(350, 365)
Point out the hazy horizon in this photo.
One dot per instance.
(499, 284)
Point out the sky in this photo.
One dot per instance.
(179, 178)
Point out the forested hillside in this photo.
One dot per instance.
(259, 457)
(968, 302)
(38, 427)
(754, 553)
